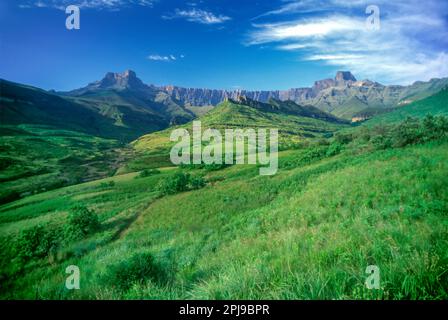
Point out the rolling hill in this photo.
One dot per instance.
(119, 106)
(295, 124)
(121, 94)
(20, 104)
(436, 104)
(38, 158)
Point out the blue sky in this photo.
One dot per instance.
(228, 44)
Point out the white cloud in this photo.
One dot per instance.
(293, 46)
(334, 57)
(304, 29)
(411, 44)
(167, 58)
(91, 4)
(199, 16)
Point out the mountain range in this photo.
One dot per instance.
(121, 106)
(343, 96)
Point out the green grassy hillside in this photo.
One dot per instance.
(119, 114)
(436, 104)
(295, 125)
(38, 158)
(308, 232)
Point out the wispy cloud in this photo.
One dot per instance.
(167, 58)
(91, 4)
(198, 15)
(303, 29)
(411, 44)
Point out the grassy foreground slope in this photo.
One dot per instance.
(307, 232)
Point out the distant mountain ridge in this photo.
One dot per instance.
(125, 98)
(342, 95)
(121, 106)
(117, 81)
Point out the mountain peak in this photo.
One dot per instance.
(342, 76)
(127, 79)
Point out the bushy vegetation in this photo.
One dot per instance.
(148, 172)
(107, 185)
(80, 223)
(365, 139)
(35, 242)
(137, 269)
(180, 182)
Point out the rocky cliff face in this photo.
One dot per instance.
(127, 79)
(343, 95)
(114, 81)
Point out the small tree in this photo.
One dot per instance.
(35, 242)
(148, 172)
(180, 182)
(81, 222)
(407, 132)
(196, 182)
(176, 183)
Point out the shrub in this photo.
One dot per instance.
(138, 269)
(313, 154)
(147, 172)
(343, 138)
(180, 182)
(196, 182)
(334, 149)
(381, 142)
(173, 184)
(109, 184)
(407, 132)
(35, 242)
(434, 127)
(81, 222)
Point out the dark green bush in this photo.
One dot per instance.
(180, 182)
(343, 138)
(173, 184)
(381, 142)
(35, 242)
(109, 184)
(407, 132)
(334, 149)
(148, 172)
(196, 182)
(435, 127)
(314, 154)
(80, 223)
(138, 269)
